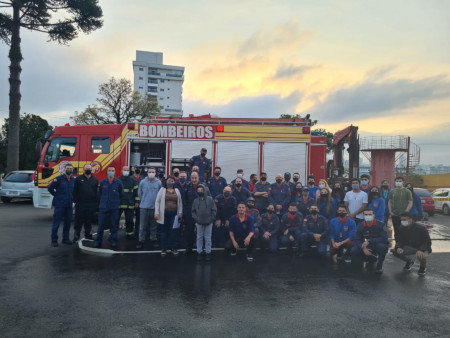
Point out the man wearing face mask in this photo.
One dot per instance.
(371, 243)
(110, 192)
(305, 202)
(270, 228)
(129, 200)
(279, 195)
(160, 173)
(413, 239)
(255, 214)
(86, 202)
(137, 210)
(261, 194)
(240, 174)
(400, 201)
(315, 231)
(62, 191)
(287, 181)
(291, 227)
(203, 164)
(365, 181)
(176, 173)
(239, 192)
(296, 179)
(312, 187)
(147, 192)
(356, 201)
(252, 182)
(217, 183)
(342, 235)
(226, 207)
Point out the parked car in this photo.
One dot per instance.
(17, 184)
(426, 199)
(442, 200)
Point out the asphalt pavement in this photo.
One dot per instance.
(65, 291)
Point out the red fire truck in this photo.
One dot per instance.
(254, 145)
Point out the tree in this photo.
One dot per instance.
(118, 103)
(323, 132)
(296, 116)
(36, 15)
(32, 127)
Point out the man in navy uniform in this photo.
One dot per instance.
(371, 243)
(226, 207)
(62, 191)
(279, 195)
(203, 163)
(216, 183)
(270, 228)
(241, 232)
(109, 192)
(261, 193)
(240, 174)
(255, 214)
(315, 231)
(239, 192)
(291, 225)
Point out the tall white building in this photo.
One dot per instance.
(165, 82)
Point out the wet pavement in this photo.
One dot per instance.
(65, 291)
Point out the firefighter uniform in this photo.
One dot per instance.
(280, 194)
(110, 194)
(216, 185)
(137, 211)
(226, 207)
(293, 224)
(313, 226)
(256, 220)
(62, 191)
(86, 204)
(127, 202)
(270, 223)
(376, 235)
(203, 164)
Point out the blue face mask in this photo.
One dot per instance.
(182, 180)
(169, 184)
(364, 182)
(110, 174)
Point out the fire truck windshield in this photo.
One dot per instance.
(60, 147)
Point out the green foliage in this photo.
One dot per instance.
(323, 132)
(118, 103)
(32, 127)
(416, 180)
(296, 116)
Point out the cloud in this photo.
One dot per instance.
(380, 73)
(371, 99)
(284, 72)
(270, 105)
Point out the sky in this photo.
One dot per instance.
(382, 65)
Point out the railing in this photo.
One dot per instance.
(383, 142)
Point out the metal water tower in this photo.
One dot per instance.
(389, 155)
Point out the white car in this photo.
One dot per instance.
(441, 198)
(17, 184)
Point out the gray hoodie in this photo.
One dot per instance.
(204, 210)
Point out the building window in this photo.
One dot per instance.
(168, 106)
(168, 88)
(152, 90)
(161, 98)
(141, 69)
(141, 88)
(162, 81)
(161, 89)
(141, 78)
(150, 80)
(168, 97)
(161, 107)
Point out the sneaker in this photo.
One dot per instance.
(422, 271)
(347, 259)
(55, 244)
(88, 236)
(208, 257)
(76, 238)
(408, 265)
(369, 266)
(175, 252)
(233, 253)
(155, 244)
(97, 245)
(163, 253)
(379, 270)
(113, 244)
(334, 258)
(199, 256)
(249, 258)
(139, 245)
(67, 241)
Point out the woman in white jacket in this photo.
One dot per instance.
(168, 205)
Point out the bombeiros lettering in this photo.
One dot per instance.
(176, 131)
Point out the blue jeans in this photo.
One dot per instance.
(167, 231)
(285, 241)
(307, 240)
(271, 242)
(204, 232)
(58, 215)
(379, 249)
(114, 219)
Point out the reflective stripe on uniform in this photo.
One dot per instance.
(126, 190)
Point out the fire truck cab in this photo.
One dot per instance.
(254, 145)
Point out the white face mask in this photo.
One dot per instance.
(321, 185)
(239, 175)
(399, 184)
(355, 186)
(151, 175)
(368, 218)
(405, 223)
(125, 173)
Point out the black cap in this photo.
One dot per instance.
(204, 149)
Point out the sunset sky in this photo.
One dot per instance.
(381, 65)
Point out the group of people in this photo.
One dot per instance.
(348, 220)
